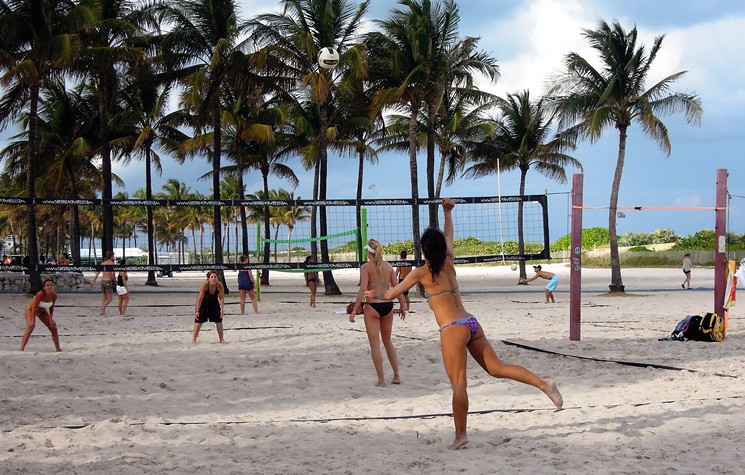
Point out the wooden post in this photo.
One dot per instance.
(720, 243)
(575, 273)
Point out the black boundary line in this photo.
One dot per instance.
(621, 362)
(151, 331)
(390, 418)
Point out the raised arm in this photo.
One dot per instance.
(447, 208)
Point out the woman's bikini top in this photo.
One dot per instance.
(45, 305)
(447, 291)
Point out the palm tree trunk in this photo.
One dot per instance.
(150, 226)
(106, 94)
(75, 238)
(33, 246)
(414, 180)
(267, 231)
(358, 210)
(331, 288)
(433, 221)
(217, 219)
(616, 283)
(520, 230)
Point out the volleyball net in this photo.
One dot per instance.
(485, 230)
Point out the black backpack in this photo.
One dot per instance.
(698, 328)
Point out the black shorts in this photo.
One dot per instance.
(208, 314)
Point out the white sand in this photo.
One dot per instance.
(293, 390)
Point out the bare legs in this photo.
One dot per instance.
(198, 327)
(254, 303)
(31, 324)
(455, 341)
(106, 298)
(379, 329)
(313, 287)
(549, 296)
(123, 302)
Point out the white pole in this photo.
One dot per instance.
(499, 201)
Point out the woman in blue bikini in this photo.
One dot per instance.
(377, 275)
(459, 330)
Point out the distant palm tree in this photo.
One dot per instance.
(522, 140)
(293, 39)
(591, 100)
(203, 44)
(109, 45)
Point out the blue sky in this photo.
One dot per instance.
(529, 38)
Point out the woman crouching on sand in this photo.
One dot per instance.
(43, 307)
(459, 330)
(379, 275)
(210, 306)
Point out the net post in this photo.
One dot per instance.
(720, 242)
(258, 253)
(575, 272)
(363, 233)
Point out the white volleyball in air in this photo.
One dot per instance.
(513, 266)
(328, 58)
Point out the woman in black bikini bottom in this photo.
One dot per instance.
(376, 273)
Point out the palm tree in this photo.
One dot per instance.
(66, 133)
(522, 141)
(38, 38)
(291, 215)
(592, 100)
(398, 67)
(294, 37)
(359, 123)
(202, 45)
(144, 113)
(110, 45)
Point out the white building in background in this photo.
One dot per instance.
(8, 244)
(131, 253)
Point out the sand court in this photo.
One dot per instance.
(292, 391)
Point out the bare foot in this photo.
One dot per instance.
(396, 379)
(459, 443)
(552, 391)
(380, 384)
(223, 342)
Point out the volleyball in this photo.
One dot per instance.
(513, 266)
(328, 58)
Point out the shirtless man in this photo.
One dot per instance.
(108, 283)
(402, 272)
(553, 281)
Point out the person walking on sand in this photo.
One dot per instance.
(687, 271)
(553, 281)
(402, 272)
(107, 283)
(42, 306)
(246, 284)
(210, 306)
(123, 295)
(378, 275)
(459, 330)
(311, 280)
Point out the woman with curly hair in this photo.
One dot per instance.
(459, 330)
(378, 275)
